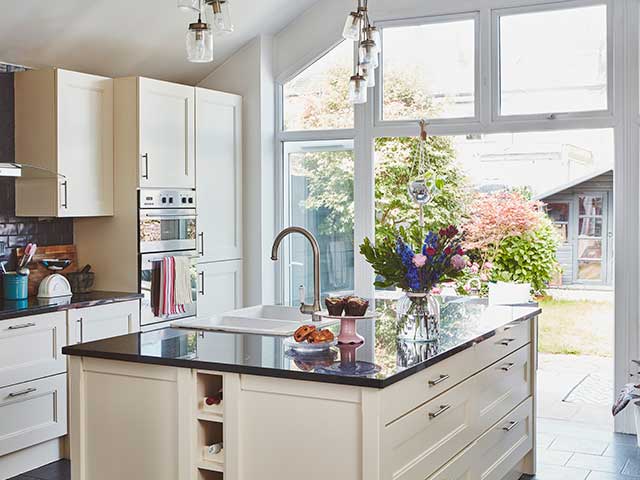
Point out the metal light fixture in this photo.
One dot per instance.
(199, 42)
(358, 28)
(219, 16)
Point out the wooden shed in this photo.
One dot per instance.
(582, 212)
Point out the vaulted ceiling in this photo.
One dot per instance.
(127, 37)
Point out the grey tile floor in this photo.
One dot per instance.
(54, 471)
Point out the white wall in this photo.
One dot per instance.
(248, 73)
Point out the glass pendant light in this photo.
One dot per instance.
(189, 5)
(199, 42)
(373, 34)
(369, 53)
(358, 89)
(220, 16)
(369, 73)
(352, 26)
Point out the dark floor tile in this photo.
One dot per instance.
(552, 472)
(60, 470)
(622, 450)
(21, 477)
(609, 476)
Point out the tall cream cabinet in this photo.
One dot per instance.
(161, 142)
(64, 125)
(219, 175)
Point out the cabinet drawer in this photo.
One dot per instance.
(32, 412)
(31, 347)
(502, 448)
(404, 396)
(103, 321)
(506, 340)
(425, 439)
(462, 467)
(502, 386)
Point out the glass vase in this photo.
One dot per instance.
(418, 317)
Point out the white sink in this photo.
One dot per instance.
(261, 319)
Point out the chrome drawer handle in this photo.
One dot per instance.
(24, 325)
(507, 367)
(506, 341)
(510, 427)
(443, 408)
(23, 392)
(440, 379)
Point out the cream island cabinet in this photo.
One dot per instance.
(461, 409)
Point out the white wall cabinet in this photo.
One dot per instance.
(64, 124)
(219, 175)
(220, 287)
(104, 321)
(166, 134)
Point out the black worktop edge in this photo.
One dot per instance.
(109, 298)
(79, 351)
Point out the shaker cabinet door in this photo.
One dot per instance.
(219, 175)
(166, 128)
(104, 321)
(85, 144)
(219, 287)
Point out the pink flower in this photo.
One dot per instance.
(458, 262)
(436, 291)
(419, 260)
(467, 287)
(488, 266)
(483, 277)
(475, 268)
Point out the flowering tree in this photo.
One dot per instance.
(494, 217)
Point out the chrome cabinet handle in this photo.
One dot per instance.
(171, 215)
(507, 367)
(441, 410)
(65, 186)
(24, 325)
(201, 274)
(510, 427)
(506, 341)
(145, 175)
(201, 235)
(22, 392)
(440, 379)
(81, 329)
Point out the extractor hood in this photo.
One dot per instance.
(26, 171)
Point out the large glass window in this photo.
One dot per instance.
(319, 190)
(429, 70)
(553, 61)
(317, 98)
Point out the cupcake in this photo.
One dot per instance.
(335, 306)
(356, 306)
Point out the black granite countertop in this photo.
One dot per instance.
(35, 306)
(378, 363)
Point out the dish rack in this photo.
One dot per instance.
(209, 420)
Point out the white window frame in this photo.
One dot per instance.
(497, 14)
(622, 115)
(431, 20)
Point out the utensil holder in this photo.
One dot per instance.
(16, 287)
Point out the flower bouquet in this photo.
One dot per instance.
(438, 257)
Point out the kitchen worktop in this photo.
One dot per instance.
(465, 322)
(36, 306)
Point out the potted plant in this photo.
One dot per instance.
(416, 265)
(629, 394)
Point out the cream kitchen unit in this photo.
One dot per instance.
(33, 372)
(64, 127)
(460, 409)
(220, 287)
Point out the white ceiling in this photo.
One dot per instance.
(127, 37)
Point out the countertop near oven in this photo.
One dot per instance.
(36, 306)
(465, 323)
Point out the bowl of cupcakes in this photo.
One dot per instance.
(348, 310)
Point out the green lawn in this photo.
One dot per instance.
(576, 327)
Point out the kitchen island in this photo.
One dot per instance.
(462, 408)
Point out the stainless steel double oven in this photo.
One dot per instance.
(166, 228)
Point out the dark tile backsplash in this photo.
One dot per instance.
(15, 231)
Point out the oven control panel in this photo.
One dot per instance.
(154, 198)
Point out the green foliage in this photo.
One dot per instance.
(528, 258)
(389, 267)
(397, 165)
